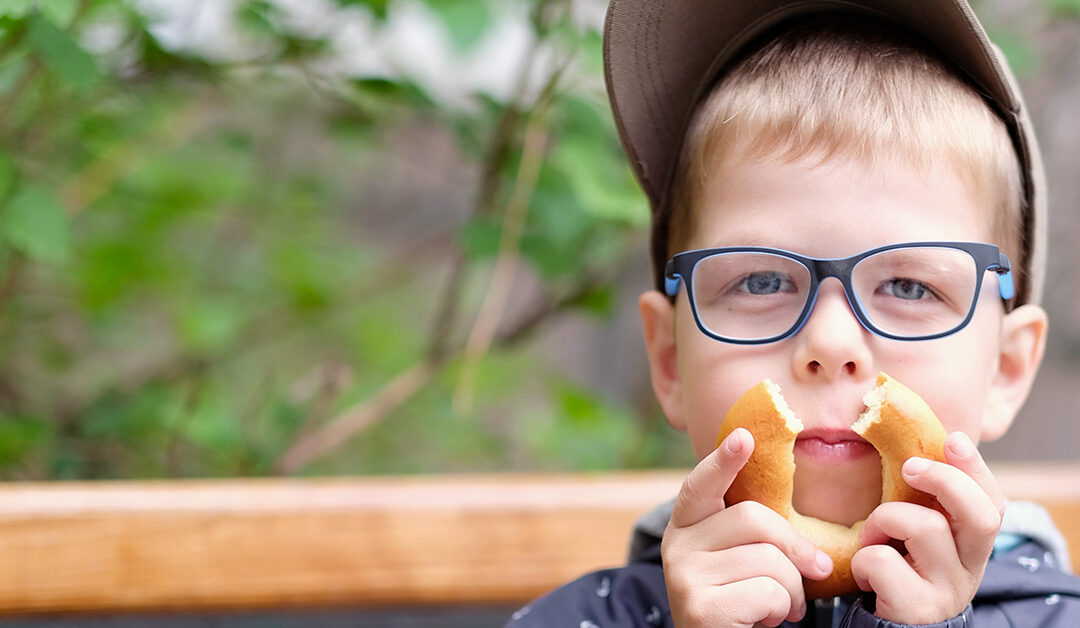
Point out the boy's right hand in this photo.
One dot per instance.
(736, 566)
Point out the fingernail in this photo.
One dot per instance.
(915, 466)
(802, 610)
(823, 562)
(733, 444)
(961, 446)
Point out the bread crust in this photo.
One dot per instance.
(897, 422)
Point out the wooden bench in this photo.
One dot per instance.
(370, 542)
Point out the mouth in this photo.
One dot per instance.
(833, 445)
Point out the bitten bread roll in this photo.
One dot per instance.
(897, 422)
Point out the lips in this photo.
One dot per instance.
(832, 445)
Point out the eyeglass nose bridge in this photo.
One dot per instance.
(841, 268)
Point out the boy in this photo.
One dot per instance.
(839, 188)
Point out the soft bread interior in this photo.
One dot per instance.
(874, 400)
(781, 405)
(887, 389)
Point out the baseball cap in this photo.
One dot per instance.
(661, 57)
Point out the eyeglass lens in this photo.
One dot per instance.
(907, 292)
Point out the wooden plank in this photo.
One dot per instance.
(255, 543)
(138, 546)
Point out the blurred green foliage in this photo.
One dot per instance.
(223, 261)
(197, 280)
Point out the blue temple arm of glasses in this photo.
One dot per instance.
(1006, 286)
(671, 285)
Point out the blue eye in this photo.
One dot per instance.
(766, 283)
(907, 289)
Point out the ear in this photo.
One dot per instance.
(1023, 340)
(658, 321)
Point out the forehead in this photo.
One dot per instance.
(849, 103)
(835, 207)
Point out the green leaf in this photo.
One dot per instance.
(61, 53)
(480, 238)
(465, 20)
(371, 92)
(206, 325)
(600, 302)
(157, 59)
(584, 431)
(581, 407)
(591, 51)
(35, 223)
(603, 186)
(1022, 56)
(60, 12)
(16, 8)
(19, 437)
(378, 8)
(1065, 8)
(585, 43)
(211, 425)
(550, 259)
(260, 16)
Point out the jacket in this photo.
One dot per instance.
(1027, 584)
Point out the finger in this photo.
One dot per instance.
(961, 453)
(748, 523)
(745, 562)
(931, 549)
(702, 492)
(881, 569)
(975, 517)
(758, 599)
(741, 603)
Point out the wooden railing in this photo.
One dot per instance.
(236, 544)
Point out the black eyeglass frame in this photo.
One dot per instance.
(680, 269)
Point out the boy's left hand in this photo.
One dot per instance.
(946, 554)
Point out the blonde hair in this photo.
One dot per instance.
(854, 90)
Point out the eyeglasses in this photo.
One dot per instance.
(911, 291)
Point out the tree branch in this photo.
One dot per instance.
(497, 153)
(363, 415)
(356, 418)
(491, 311)
(33, 65)
(18, 90)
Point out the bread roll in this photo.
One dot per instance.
(897, 422)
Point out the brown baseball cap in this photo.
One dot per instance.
(661, 57)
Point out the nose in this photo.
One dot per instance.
(833, 343)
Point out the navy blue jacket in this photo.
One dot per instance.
(1026, 585)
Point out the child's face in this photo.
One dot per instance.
(836, 209)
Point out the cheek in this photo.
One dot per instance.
(705, 397)
(714, 375)
(960, 411)
(952, 375)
